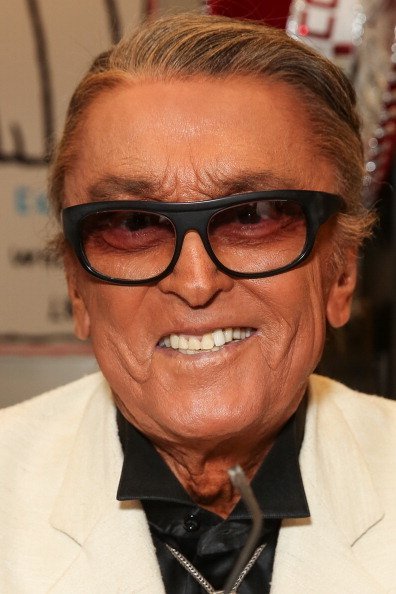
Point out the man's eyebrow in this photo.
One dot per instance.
(253, 181)
(115, 187)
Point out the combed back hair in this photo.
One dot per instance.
(192, 45)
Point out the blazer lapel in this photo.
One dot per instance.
(316, 555)
(117, 557)
(114, 550)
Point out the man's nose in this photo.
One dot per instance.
(195, 278)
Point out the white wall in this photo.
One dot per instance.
(23, 377)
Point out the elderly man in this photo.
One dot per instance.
(208, 182)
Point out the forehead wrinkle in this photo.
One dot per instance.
(249, 180)
(171, 188)
(176, 182)
(215, 182)
(188, 181)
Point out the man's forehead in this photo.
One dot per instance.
(134, 151)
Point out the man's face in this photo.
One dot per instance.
(190, 141)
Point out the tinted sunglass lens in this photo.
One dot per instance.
(128, 245)
(259, 236)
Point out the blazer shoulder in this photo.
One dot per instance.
(370, 418)
(352, 402)
(50, 418)
(54, 401)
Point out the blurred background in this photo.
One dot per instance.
(45, 49)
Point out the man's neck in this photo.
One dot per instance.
(204, 474)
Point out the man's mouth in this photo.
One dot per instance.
(210, 342)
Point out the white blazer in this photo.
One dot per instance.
(62, 531)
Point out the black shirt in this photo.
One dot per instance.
(210, 543)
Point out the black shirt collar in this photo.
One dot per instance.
(277, 484)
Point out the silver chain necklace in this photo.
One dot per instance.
(193, 571)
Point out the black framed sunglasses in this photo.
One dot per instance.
(251, 235)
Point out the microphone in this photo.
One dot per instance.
(241, 484)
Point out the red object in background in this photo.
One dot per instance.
(274, 13)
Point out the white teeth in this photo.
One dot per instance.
(183, 343)
(228, 334)
(194, 344)
(207, 342)
(213, 341)
(174, 341)
(218, 337)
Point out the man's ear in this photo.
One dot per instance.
(82, 325)
(339, 300)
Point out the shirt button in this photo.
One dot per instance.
(191, 523)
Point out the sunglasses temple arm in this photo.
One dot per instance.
(241, 484)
